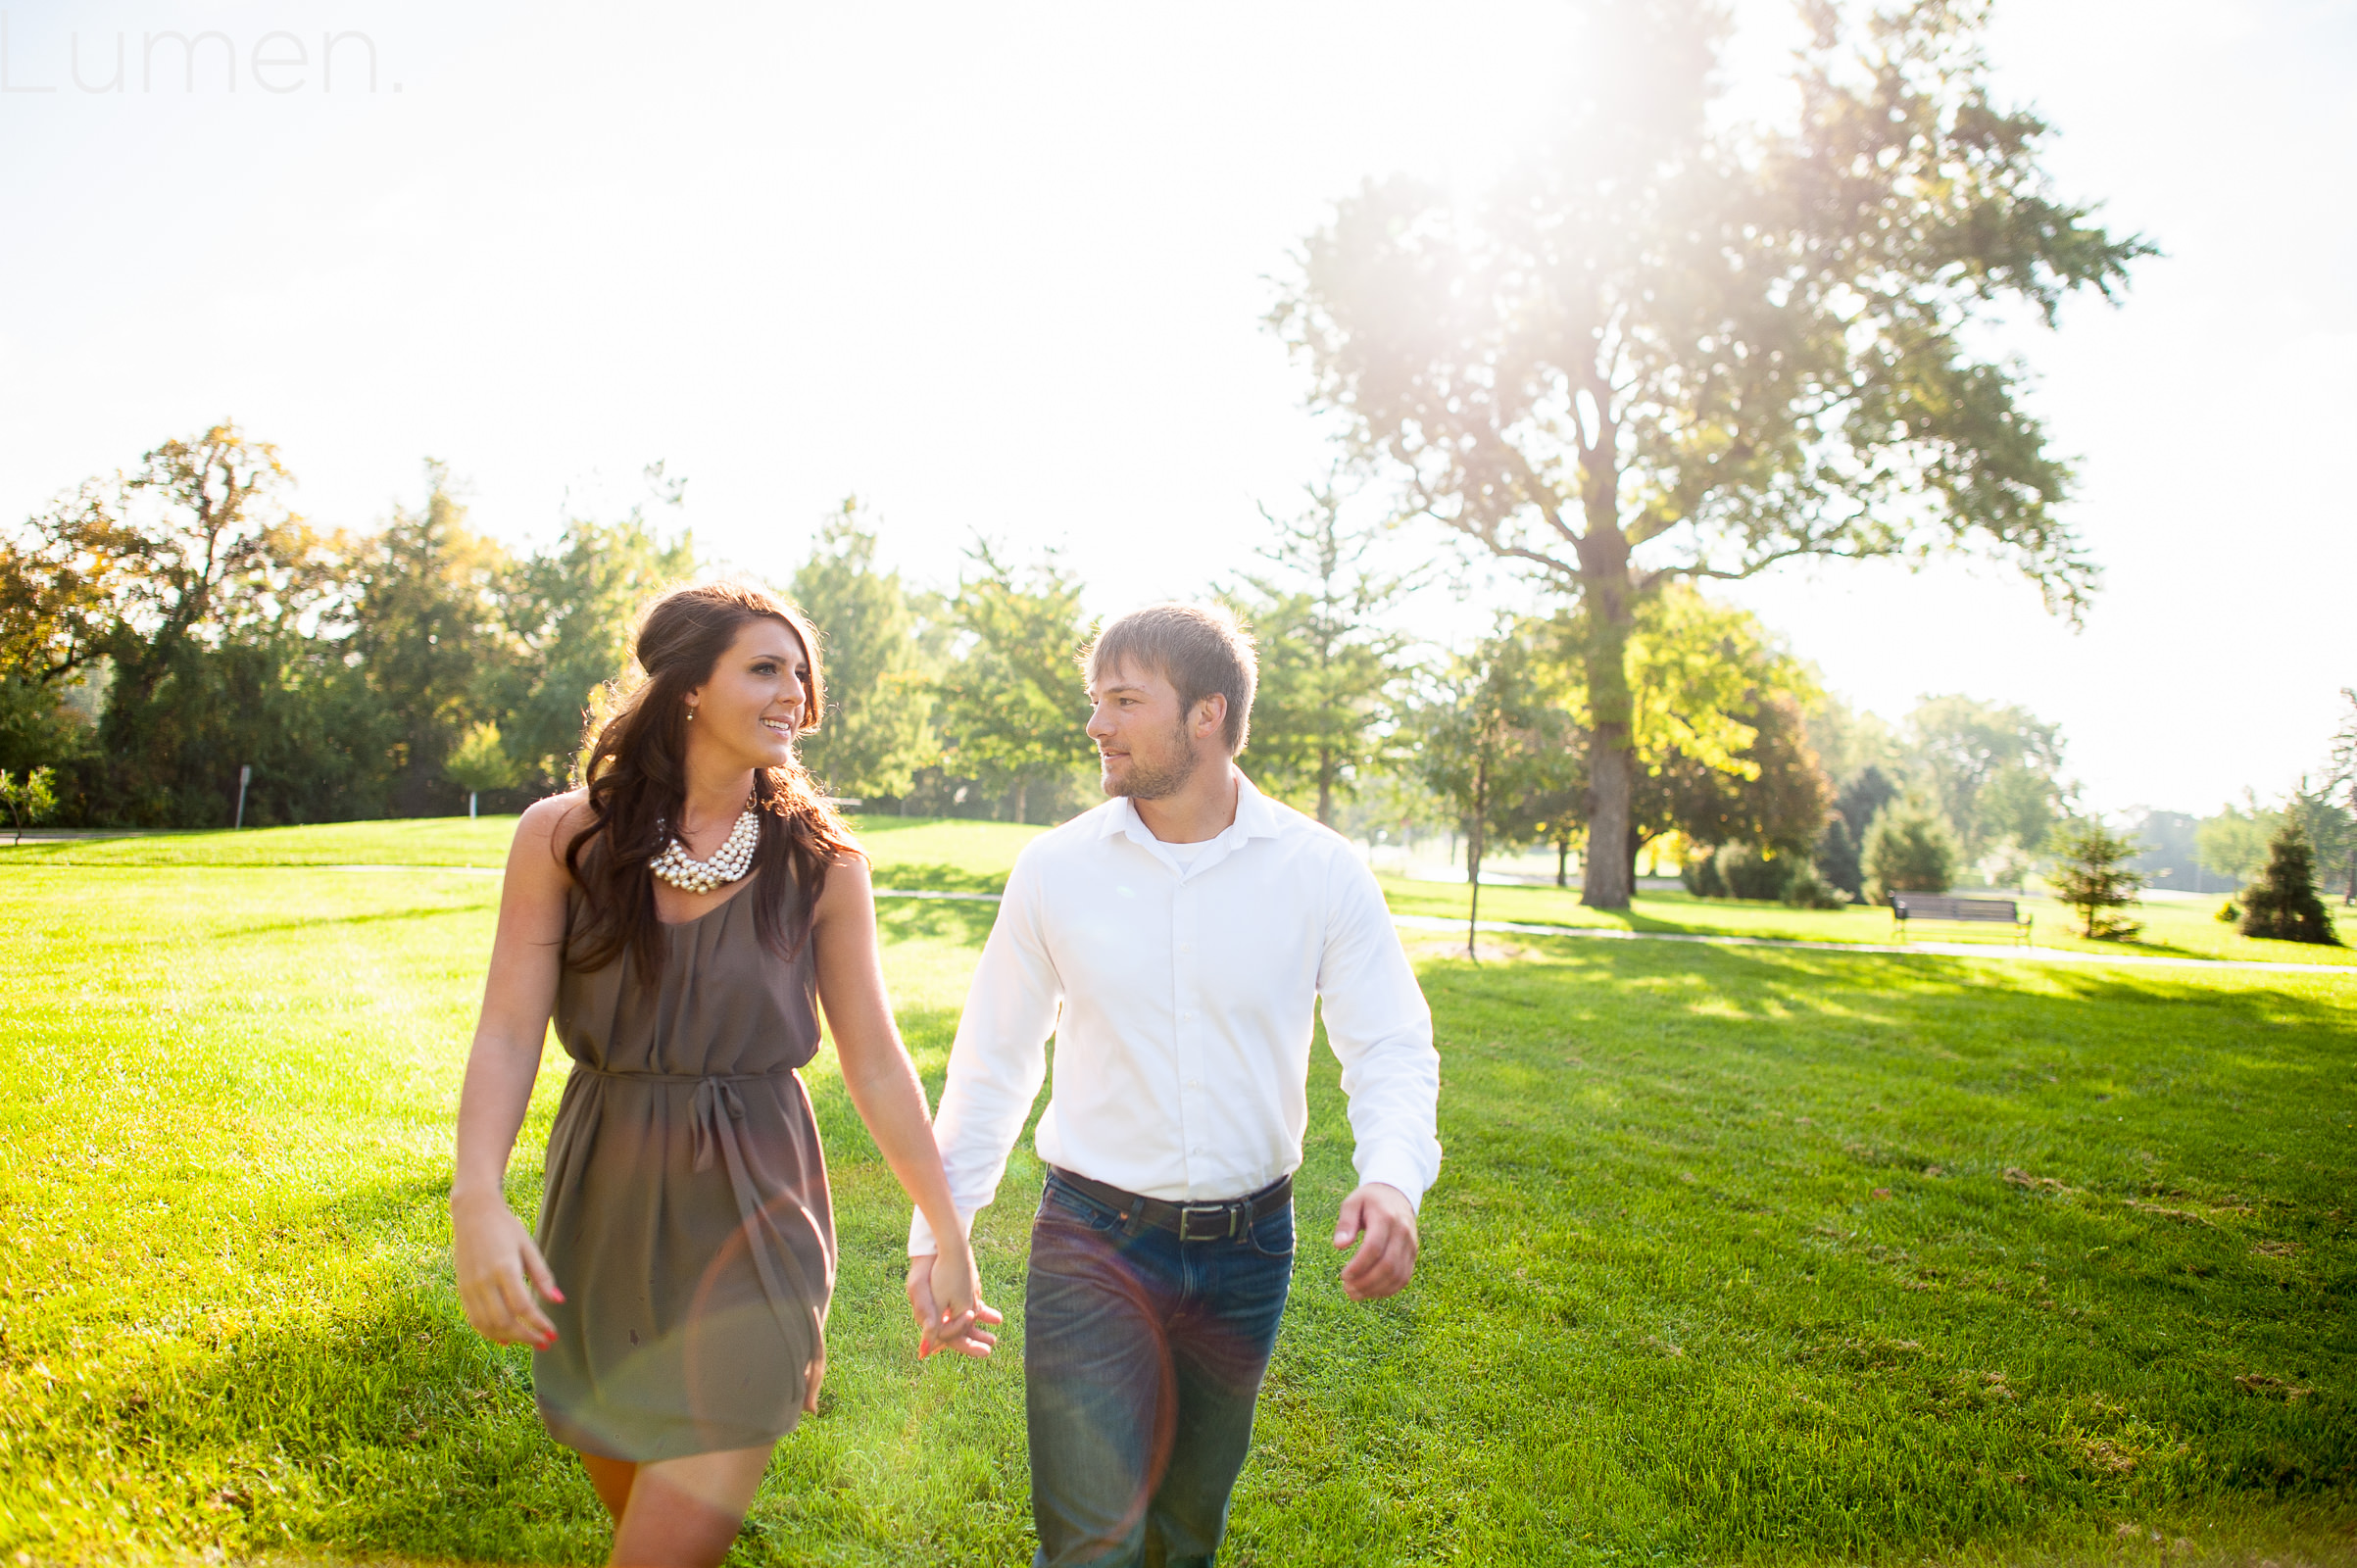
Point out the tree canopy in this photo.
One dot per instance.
(1672, 348)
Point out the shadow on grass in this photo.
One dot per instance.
(936, 877)
(941, 920)
(375, 1423)
(372, 917)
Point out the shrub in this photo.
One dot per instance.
(1810, 890)
(2229, 914)
(2282, 904)
(1909, 850)
(1701, 877)
(30, 801)
(2092, 875)
(1750, 874)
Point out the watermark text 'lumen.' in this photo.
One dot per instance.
(209, 60)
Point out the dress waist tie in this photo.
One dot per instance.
(714, 1111)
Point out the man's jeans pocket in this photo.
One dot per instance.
(1272, 1233)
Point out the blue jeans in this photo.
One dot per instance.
(1141, 1358)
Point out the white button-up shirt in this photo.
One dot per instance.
(1181, 995)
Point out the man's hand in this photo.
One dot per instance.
(966, 1332)
(1387, 1259)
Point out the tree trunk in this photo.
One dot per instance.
(1611, 776)
(1473, 848)
(1021, 787)
(1562, 862)
(1325, 788)
(2349, 895)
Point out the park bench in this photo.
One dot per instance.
(1908, 907)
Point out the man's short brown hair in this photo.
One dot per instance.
(1200, 649)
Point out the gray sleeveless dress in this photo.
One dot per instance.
(686, 1214)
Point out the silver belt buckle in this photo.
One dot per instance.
(1225, 1212)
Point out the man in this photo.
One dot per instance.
(1177, 941)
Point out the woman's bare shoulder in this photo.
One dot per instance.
(549, 825)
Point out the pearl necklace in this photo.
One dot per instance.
(729, 862)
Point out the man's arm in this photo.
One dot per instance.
(999, 1058)
(1380, 1029)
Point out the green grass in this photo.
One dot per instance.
(2170, 929)
(942, 853)
(1739, 1254)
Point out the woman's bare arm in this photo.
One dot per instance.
(890, 1099)
(499, 1267)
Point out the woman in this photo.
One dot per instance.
(677, 916)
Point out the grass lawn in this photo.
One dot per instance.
(1739, 1253)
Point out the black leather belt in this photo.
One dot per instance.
(1190, 1222)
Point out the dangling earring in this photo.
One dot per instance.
(691, 712)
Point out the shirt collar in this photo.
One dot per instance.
(1256, 817)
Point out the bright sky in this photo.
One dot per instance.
(1003, 269)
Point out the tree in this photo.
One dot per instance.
(220, 599)
(1862, 797)
(1716, 728)
(2233, 842)
(433, 635)
(1836, 857)
(2330, 830)
(2337, 823)
(879, 728)
(1483, 735)
(2092, 875)
(30, 801)
(59, 575)
(1327, 668)
(573, 607)
(1909, 850)
(479, 762)
(1993, 769)
(1850, 742)
(1012, 702)
(1673, 348)
(2282, 904)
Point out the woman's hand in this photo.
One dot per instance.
(945, 1292)
(498, 1269)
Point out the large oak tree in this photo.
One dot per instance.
(1675, 348)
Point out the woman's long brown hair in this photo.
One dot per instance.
(636, 775)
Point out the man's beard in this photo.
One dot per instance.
(1146, 783)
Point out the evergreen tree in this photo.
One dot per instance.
(1838, 856)
(1327, 668)
(877, 730)
(2282, 904)
(1862, 798)
(1013, 703)
(1909, 850)
(574, 607)
(2092, 875)
(433, 634)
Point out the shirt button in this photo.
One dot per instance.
(1194, 1083)
(1186, 946)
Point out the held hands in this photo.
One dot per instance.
(1387, 1259)
(945, 1292)
(498, 1269)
